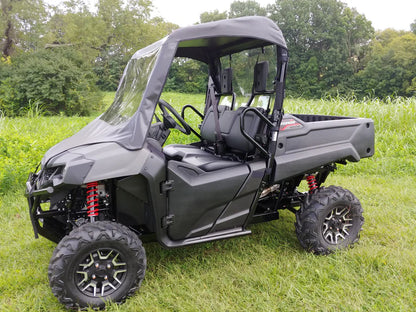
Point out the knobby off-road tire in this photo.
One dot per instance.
(95, 263)
(330, 218)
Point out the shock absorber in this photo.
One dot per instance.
(313, 185)
(92, 200)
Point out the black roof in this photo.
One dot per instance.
(204, 41)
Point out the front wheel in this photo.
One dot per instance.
(97, 262)
(330, 218)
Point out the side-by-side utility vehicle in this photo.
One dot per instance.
(116, 182)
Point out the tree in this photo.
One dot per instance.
(116, 23)
(391, 66)
(237, 9)
(326, 42)
(246, 8)
(109, 36)
(212, 16)
(413, 27)
(21, 25)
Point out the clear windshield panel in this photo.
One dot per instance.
(132, 85)
(243, 64)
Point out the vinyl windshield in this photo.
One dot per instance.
(132, 85)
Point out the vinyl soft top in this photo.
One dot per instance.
(203, 42)
(216, 39)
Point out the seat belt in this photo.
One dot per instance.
(219, 146)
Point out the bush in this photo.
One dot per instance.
(59, 79)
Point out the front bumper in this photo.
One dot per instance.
(35, 197)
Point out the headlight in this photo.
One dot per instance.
(48, 175)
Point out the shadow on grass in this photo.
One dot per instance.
(275, 237)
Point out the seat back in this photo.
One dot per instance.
(208, 124)
(224, 103)
(231, 130)
(230, 120)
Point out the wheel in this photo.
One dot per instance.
(330, 218)
(169, 122)
(95, 263)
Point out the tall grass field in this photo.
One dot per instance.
(266, 271)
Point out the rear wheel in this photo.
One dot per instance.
(329, 219)
(95, 263)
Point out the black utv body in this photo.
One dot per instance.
(99, 192)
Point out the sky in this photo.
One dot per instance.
(397, 14)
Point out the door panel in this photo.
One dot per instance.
(236, 212)
(198, 198)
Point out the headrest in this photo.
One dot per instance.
(226, 81)
(261, 70)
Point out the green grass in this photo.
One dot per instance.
(267, 271)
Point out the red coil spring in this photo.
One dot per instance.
(92, 199)
(313, 185)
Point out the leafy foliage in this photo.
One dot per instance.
(237, 9)
(187, 76)
(391, 66)
(60, 79)
(22, 23)
(413, 27)
(246, 8)
(326, 41)
(332, 49)
(108, 67)
(215, 15)
(108, 37)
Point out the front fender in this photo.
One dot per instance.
(97, 162)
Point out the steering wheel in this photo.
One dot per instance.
(170, 122)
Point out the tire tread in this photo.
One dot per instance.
(314, 206)
(81, 237)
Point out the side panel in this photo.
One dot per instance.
(133, 201)
(198, 198)
(139, 200)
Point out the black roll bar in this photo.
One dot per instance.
(247, 136)
(197, 112)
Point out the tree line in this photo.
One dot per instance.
(334, 49)
(62, 57)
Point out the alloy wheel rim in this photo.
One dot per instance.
(101, 273)
(337, 225)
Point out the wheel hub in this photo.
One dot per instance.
(337, 224)
(101, 273)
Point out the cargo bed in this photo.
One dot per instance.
(307, 142)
